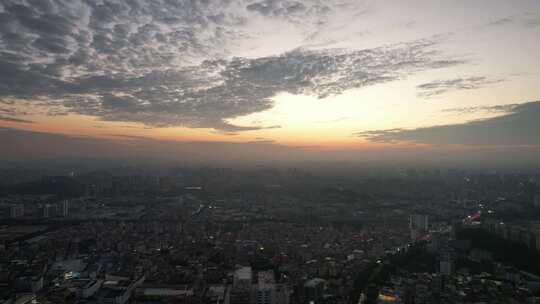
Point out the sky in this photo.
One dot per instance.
(271, 79)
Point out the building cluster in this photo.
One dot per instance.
(190, 262)
(524, 232)
(505, 286)
(461, 273)
(216, 236)
(33, 206)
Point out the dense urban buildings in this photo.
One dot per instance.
(263, 236)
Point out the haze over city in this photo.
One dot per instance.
(273, 80)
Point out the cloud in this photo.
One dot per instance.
(519, 127)
(339, 119)
(313, 13)
(283, 8)
(263, 140)
(439, 87)
(503, 21)
(20, 145)
(486, 109)
(26, 145)
(164, 63)
(208, 95)
(527, 20)
(131, 137)
(13, 119)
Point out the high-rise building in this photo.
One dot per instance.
(282, 294)
(536, 200)
(242, 278)
(16, 211)
(47, 210)
(419, 221)
(268, 292)
(446, 266)
(64, 208)
(313, 290)
(446, 263)
(266, 288)
(241, 291)
(418, 225)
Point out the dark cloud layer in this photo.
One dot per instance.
(28, 145)
(140, 61)
(486, 109)
(527, 20)
(284, 8)
(439, 87)
(21, 144)
(519, 127)
(13, 119)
